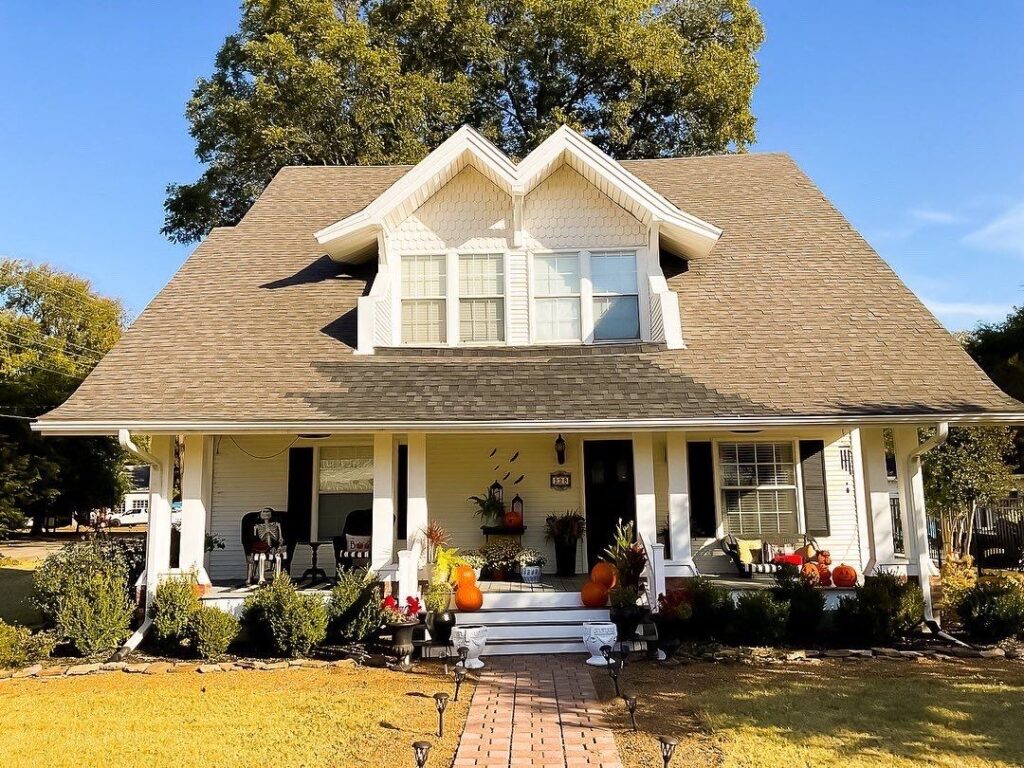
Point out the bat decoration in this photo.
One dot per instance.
(514, 457)
(497, 467)
(491, 454)
(507, 476)
(519, 479)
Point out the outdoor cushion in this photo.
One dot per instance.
(747, 549)
(796, 560)
(357, 543)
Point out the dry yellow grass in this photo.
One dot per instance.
(297, 717)
(853, 714)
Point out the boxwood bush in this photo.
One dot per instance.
(18, 646)
(354, 611)
(805, 606)
(282, 622)
(174, 608)
(760, 618)
(993, 609)
(212, 631)
(713, 611)
(884, 608)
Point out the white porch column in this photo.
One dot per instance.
(383, 501)
(876, 493)
(158, 535)
(860, 499)
(912, 507)
(195, 474)
(643, 479)
(679, 501)
(416, 502)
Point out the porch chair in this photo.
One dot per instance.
(353, 547)
(258, 554)
(761, 559)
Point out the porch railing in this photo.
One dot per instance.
(898, 547)
(654, 571)
(409, 572)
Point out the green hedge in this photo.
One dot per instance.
(282, 622)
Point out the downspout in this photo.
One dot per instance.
(921, 526)
(124, 438)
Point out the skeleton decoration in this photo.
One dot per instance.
(268, 548)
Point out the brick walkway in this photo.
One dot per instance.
(537, 710)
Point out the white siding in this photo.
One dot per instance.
(567, 211)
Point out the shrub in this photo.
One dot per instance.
(805, 605)
(82, 591)
(993, 609)
(883, 608)
(354, 610)
(212, 631)
(760, 618)
(283, 622)
(175, 605)
(958, 576)
(438, 598)
(712, 612)
(18, 646)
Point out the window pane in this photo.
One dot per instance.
(423, 321)
(481, 275)
(346, 469)
(556, 275)
(423, 276)
(616, 317)
(613, 272)
(753, 502)
(558, 319)
(482, 320)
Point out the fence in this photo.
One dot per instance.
(899, 546)
(999, 535)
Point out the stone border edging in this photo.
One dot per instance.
(813, 656)
(164, 667)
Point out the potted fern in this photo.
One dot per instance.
(565, 531)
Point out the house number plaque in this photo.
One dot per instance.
(561, 480)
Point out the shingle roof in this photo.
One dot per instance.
(792, 314)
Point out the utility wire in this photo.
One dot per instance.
(254, 456)
(85, 364)
(51, 343)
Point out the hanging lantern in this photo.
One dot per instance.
(560, 449)
(496, 492)
(517, 505)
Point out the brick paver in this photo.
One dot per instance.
(541, 710)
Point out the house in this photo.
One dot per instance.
(716, 346)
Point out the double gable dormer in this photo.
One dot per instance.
(475, 250)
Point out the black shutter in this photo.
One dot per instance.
(402, 492)
(300, 493)
(812, 469)
(702, 490)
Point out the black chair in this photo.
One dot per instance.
(358, 523)
(249, 522)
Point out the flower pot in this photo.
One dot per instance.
(473, 637)
(401, 641)
(565, 558)
(596, 634)
(498, 574)
(440, 625)
(530, 574)
(626, 619)
(669, 631)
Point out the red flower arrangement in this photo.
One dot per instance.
(395, 613)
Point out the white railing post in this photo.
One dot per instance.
(656, 580)
(409, 573)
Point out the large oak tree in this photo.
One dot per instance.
(384, 81)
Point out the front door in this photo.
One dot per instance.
(610, 494)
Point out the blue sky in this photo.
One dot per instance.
(907, 115)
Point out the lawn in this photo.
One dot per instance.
(864, 713)
(15, 591)
(345, 716)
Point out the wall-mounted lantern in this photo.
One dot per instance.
(560, 449)
(496, 492)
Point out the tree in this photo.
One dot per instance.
(968, 470)
(383, 81)
(53, 331)
(999, 349)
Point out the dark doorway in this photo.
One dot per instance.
(610, 494)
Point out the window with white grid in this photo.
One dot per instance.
(615, 295)
(140, 504)
(481, 298)
(758, 486)
(556, 290)
(424, 289)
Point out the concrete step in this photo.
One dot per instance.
(532, 615)
(512, 600)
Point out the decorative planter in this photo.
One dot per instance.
(596, 634)
(401, 642)
(530, 574)
(440, 625)
(473, 637)
(497, 574)
(565, 558)
(668, 635)
(626, 620)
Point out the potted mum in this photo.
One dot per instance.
(440, 619)
(530, 564)
(565, 532)
(500, 557)
(401, 620)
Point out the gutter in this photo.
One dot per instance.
(924, 561)
(124, 437)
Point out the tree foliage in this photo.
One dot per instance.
(968, 470)
(53, 330)
(384, 81)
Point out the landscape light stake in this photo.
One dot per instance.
(463, 655)
(613, 670)
(668, 746)
(421, 749)
(606, 651)
(631, 706)
(441, 701)
(460, 675)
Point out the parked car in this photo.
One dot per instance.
(130, 516)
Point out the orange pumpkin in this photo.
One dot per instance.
(594, 594)
(824, 557)
(468, 596)
(463, 575)
(824, 575)
(810, 573)
(844, 576)
(605, 574)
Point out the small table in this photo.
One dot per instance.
(501, 530)
(314, 573)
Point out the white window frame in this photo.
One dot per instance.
(720, 488)
(503, 296)
(587, 295)
(445, 298)
(595, 294)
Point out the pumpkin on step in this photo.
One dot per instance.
(810, 573)
(824, 557)
(468, 596)
(824, 576)
(605, 574)
(844, 576)
(594, 594)
(463, 574)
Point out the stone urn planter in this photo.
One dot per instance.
(473, 637)
(401, 642)
(596, 634)
(530, 574)
(626, 620)
(440, 625)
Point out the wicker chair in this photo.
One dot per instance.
(358, 523)
(251, 545)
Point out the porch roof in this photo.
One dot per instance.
(791, 317)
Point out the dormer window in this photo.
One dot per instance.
(616, 298)
(424, 299)
(481, 298)
(556, 288)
